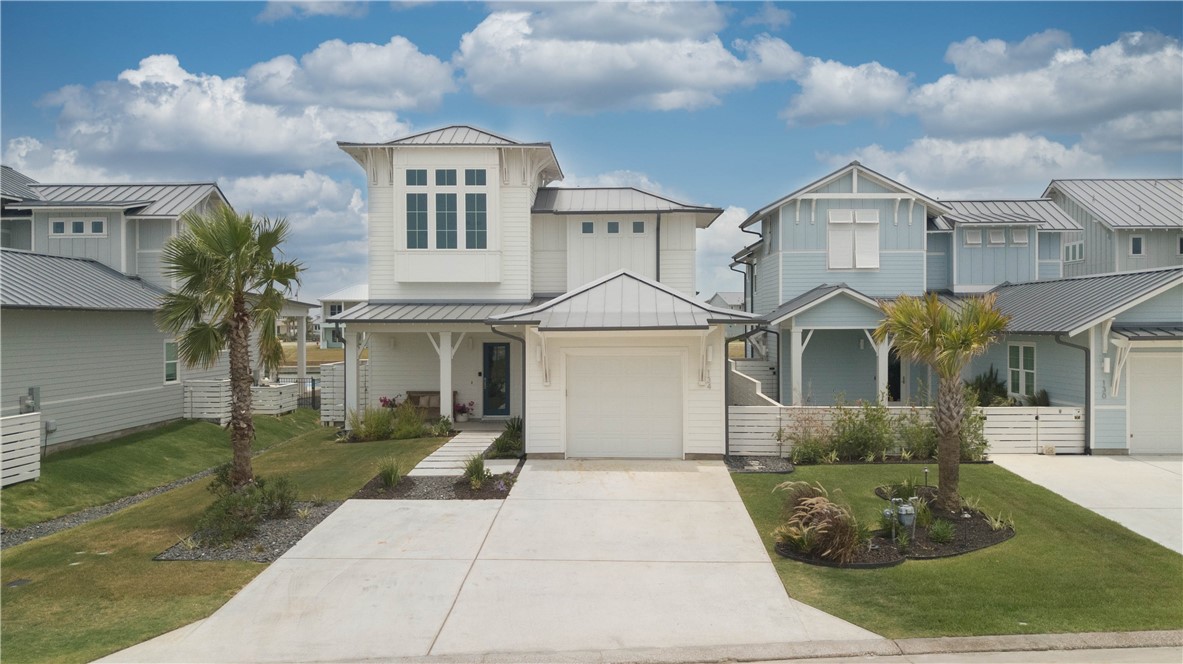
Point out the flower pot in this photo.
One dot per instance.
(461, 417)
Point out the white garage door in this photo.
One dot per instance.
(624, 406)
(1156, 403)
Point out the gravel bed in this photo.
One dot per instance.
(274, 538)
(758, 464)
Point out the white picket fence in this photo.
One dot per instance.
(1009, 430)
(332, 391)
(20, 448)
(209, 400)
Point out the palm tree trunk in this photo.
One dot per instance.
(950, 410)
(242, 427)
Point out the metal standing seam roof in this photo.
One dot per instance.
(1060, 306)
(1150, 331)
(624, 301)
(157, 200)
(428, 312)
(1129, 203)
(1042, 211)
(40, 281)
(16, 185)
(809, 297)
(354, 293)
(569, 200)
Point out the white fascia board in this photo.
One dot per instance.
(825, 298)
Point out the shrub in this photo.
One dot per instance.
(862, 431)
(506, 447)
(442, 428)
(821, 528)
(371, 424)
(515, 427)
(406, 422)
(987, 387)
(941, 531)
(475, 472)
(902, 490)
(973, 435)
(233, 516)
(917, 436)
(796, 492)
(390, 472)
(808, 436)
(278, 496)
(1040, 398)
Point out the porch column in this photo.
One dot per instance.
(302, 348)
(352, 384)
(445, 353)
(796, 351)
(883, 352)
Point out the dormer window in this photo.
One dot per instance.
(1019, 236)
(474, 177)
(69, 228)
(416, 177)
(973, 237)
(445, 177)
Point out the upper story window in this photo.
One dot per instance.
(1137, 245)
(335, 309)
(853, 237)
(1019, 236)
(445, 221)
(416, 177)
(973, 237)
(445, 177)
(588, 227)
(474, 177)
(1021, 363)
(1074, 252)
(639, 227)
(78, 227)
(613, 227)
(997, 236)
(416, 221)
(476, 222)
(1180, 247)
(171, 365)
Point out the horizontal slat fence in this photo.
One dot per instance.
(20, 448)
(208, 400)
(762, 371)
(275, 399)
(332, 391)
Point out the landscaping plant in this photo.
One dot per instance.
(916, 435)
(442, 428)
(230, 283)
(923, 329)
(821, 528)
(863, 431)
(941, 531)
(390, 472)
(407, 422)
(509, 443)
(989, 389)
(475, 472)
(371, 424)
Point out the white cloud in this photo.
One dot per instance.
(715, 247)
(170, 122)
(974, 58)
(508, 60)
(391, 77)
(835, 93)
(1137, 133)
(278, 10)
(1011, 166)
(622, 22)
(46, 164)
(770, 16)
(1140, 72)
(620, 178)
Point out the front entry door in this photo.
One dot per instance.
(897, 378)
(496, 373)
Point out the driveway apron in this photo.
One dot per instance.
(582, 556)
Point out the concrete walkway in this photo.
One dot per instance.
(1142, 493)
(449, 459)
(583, 557)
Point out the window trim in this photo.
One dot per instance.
(445, 172)
(612, 228)
(440, 222)
(1034, 371)
(422, 171)
(1141, 246)
(484, 178)
(587, 228)
(973, 237)
(470, 221)
(176, 363)
(426, 230)
(68, 227)
(644, 229)
(1074, 251)
(996, 237)
(1020, 236)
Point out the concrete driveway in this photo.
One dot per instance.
(1142, 493)
(583, 556)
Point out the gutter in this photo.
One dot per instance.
(1088, 392)
(658, 249)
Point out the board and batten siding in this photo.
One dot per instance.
(838, 364)
(703, 428)
(107, 250)
(17, 234)
(988, 265)
(678, 243)
(840, 311)
(1098, 239)
(593, 255)
(548, 253)
(767, 284)
(1051, 264)
(1160, 249)
(938, 261)
(99, 372)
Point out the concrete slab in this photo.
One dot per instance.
(607, 605)
(499, 466)
(434, 472)
(1141, 493)
(624, 480)
(375, 529)
(1096, 656)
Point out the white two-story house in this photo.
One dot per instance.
(574, 308)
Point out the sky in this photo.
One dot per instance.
(725, 104)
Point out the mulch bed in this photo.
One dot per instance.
(758, 464)
(926, 493)
(438, 488)
(274, 538)
(880, 553)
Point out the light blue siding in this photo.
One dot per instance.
(1098, 240)
(18, 234)
(106, 250)
(767, 282)
(1049, 270)
(898, 273)
(987, 265)
(938, 261)
(808, 231)
(840, 311)
(1059, 369)
(1109, 430)
(1050, 256)
(1164, 308)
(1160, 249)
(834, 366)
(1102, 396)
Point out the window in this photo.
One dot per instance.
(1074, 252)
(997, 236)
(77, 228)
(476, 233)
(335, 309)
(1180, 240)
(755, 281)
(1137, 245)
(416, 221)
(973, 237)
(445, 177)
(98, 227)
(588, 227)
(853, 237)
(639, 227)
(474, 177)
(1021, 362)
(445, 221)
(171, 374)
(613, 227)
(1018, 236)
(59, 228)
(416, 177)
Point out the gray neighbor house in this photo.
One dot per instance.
(80, 280)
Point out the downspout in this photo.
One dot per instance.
(521, 340)
(747, 295)
(657, 249)
(1088, 391)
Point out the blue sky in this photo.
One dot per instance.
(728, 104)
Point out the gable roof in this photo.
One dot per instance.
(15, 186)
(41, 281)
(624, 301)
(1040, 211)
(814, 297)
(932, 203)
(731, 298)
(1128, 203)
(1072, 305)
(613, 200)
(153, 200)
(354, 293)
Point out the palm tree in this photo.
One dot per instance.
(925, 330)
(230, 283)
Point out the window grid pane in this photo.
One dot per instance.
(1029, 358)
(1014, 381)
(59, 227)
(78, 227)
(638, 227)
(416, 221)
(474, 177)
(445, 221)
(613, 226)
(475, 222)
(445, 177)
(588, 227)
(96, 227)
(417, 177)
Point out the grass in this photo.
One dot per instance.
(98, 474)
(1067, 570)
(116, 596)
(316, 354)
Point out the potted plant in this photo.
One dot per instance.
(463, 410)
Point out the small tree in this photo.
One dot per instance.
(925, 330)
(230, 283)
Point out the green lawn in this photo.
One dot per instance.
(95, 589)
(1067, 569)
(97, 474)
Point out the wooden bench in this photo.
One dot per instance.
(427, 403)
